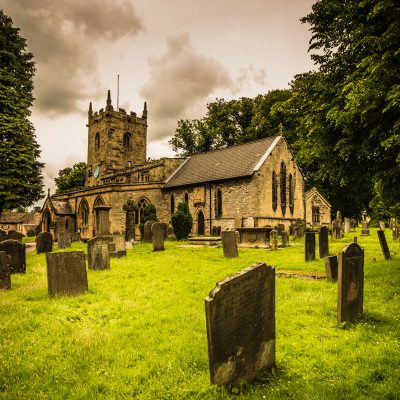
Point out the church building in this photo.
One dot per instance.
(254, 184)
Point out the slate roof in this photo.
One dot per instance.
(11, 217)
(229, 163)
(62, 207)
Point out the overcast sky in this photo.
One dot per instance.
(177, 55)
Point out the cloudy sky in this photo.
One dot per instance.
(177, 55)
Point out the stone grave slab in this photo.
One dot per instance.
(240, 319)
(66, 273)
(5, 271)
(309, 246)
(331, 267)
(350, 283)
(158, 232)
(64, 240)
(229, 244)
(323, 242)
(384, 245)
(16, 251)
(98, 252)
(44, 242)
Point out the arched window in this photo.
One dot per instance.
(97, 142)
(218, 203)
(274, 191)
(283, 187)
(142, 203)
(127, 140)
(172, 204)
(187, 198)
(83, 213)
(291, 194)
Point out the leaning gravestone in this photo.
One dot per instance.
(98, 252)
(384, 245)
(64, 240)
(331, 267)
(15, 235)
(240, 318)
(5, 271)
(309, 246)
(44, 242)
(158, 234)
(229, 244)
(323, 242)
(285, 239)
(274, 239)
(147, 238)
(66, 273)
(16, 251)
(350, 283)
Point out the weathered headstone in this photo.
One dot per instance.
(281, 228)
(5, 271)
(331, 267)
(364, 228)
(16, 251)
(382, 225)
(119, 241)
(102, 220)
(158, 233)
(66, 273)
(300, 230)
(240, 317)
(309, 246)
(274, 239)
(98, 252)
(384, 245)
(147, 238)
(355, 239)
(44, 242)
(350, 283)
(75, 237)
(285, 239)
(295, 232)
(15, 235)
(339, 218)
(229, 244)
(129, 209)
(64, 240)
(347, 225)
(323, 242)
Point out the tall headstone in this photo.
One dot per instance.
(339, 218)
(309, 246)
(98, 252)
(295, 232)
(229, 244)
(274, 239)
(147, 237)
(364, 224)
(384, 245)
(64, 240)
(158, 234)
(382, 225)
(347, 225)
(66, 273)
(323, 242)
(102, 220)
(350, 283)
(15, 235)
(240, 318)
(16, 251)
(129, 209)
(5, 271)
(285, 239)
(331, 267)
(44, 242)
(75, 237)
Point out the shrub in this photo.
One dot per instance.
(182, 221)
(149, 213)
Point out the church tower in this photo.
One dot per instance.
(116, 140)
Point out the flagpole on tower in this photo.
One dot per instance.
(118, 92)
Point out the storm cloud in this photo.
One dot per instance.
(62, 35)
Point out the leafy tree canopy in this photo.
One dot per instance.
(71, 178)
(21, 181)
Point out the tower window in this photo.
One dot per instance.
(97, 142)
(127, 140)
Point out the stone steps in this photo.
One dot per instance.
(205, 240)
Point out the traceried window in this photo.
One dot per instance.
(283, 187)
(274, 191)
(218, 203)
(291, 194)
(142, 203)
(127, 141)
(84, 213)
(172, 203)
(97, 142)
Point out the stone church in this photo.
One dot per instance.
(254, 184)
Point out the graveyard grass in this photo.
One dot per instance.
(140, 330)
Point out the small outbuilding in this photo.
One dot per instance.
(318, 208)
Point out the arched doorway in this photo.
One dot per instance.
(46, 221)
(200, 223)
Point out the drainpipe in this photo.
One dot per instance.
(209, 186)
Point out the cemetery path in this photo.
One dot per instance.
(30, 247)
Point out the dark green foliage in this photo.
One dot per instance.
(21, 182)
(149, 213)
(232, 122)
(182, 221)
(71, 178)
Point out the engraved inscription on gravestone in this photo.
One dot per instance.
(229, 244)
(158, 233)
(240, 317)
(64, 240)
(16, 251)
(98, 253)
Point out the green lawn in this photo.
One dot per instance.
(140, 330)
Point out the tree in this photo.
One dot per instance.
(182, 221)
(21, 181)
(71, 178)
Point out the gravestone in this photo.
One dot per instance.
(16, 251)
(111, 247)
(331, 267)
(274, 239)
(98, 253)
(147, 237)
(281, 228)
(158, 234)
(347, 225)
(295, 232)
(285, 239)
(240, 318)
(355, 239)
(229, 244)
(64, 240)
(15, 235)
(384, 245)
(323, 242)
(339, 218)
(300, 230)
(165, 228)
(364, 228)
(3, 235)
(5, 271)
(350, 283)
(309, 246)
(102, 220)
(119, 241)
(66, 273)
(44, 242)
(382, 225)
(75, 237)
(129, 209)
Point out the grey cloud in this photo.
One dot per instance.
(180, 79)
(61, 34)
